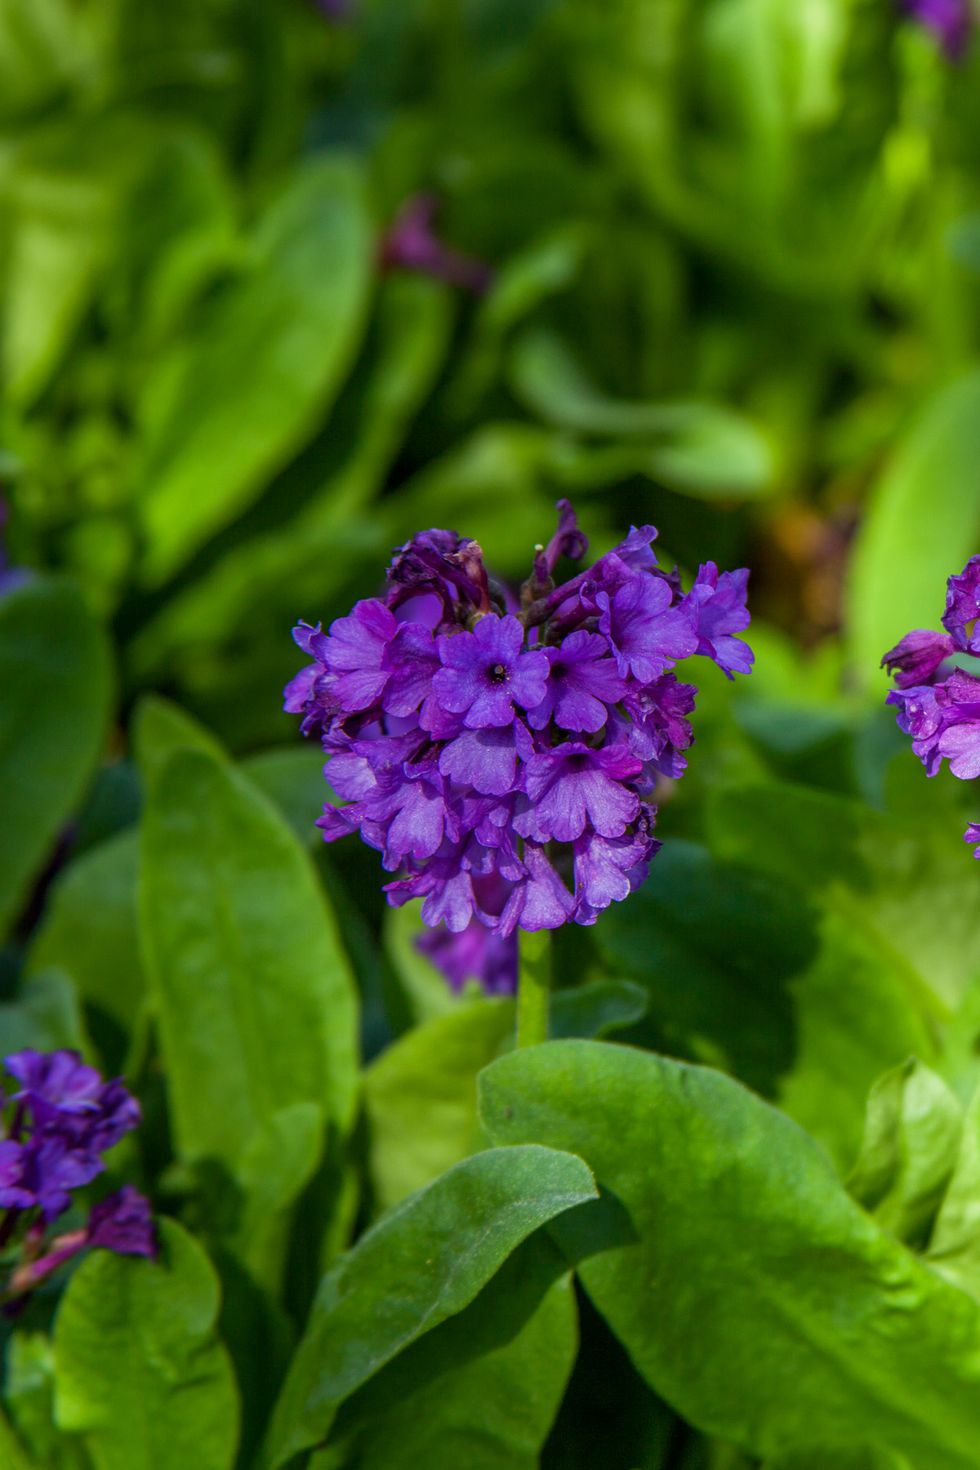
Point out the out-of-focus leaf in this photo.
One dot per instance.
(420, 1096)
(44, 1016)
(160, 729)
(911, 1140)
(420, 1265)
(292, 778)
(482, 1390)
(256, 1003)
(276, 1166)
(700, 448)
(596, 1009)
(90, 929)
(13, 1456)
(140, 1371)
(234, 401)
(55, 677)
(715, 947)
(787, 1307)
(920, 527)
(310, 553)
(954, 1247)
(29, 1399)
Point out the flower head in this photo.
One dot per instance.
(501, 749)
(942, 714)
(412, 244)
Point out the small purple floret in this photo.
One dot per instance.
(950, 21)
(123, 1223)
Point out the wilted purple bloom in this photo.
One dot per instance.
(963, 607)
(917, 657)
(950, 21)
(412, 244)
(123, 1223)
(501, 751)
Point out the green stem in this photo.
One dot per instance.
(533, 986)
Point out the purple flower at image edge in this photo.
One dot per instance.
(501, 748)
(950, 21)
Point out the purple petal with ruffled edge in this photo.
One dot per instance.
(485, 673)
(573, 786)
(609, 869)
(583, 681)
(972, 835)
(718, 604)
(646, 634)
(123, 1223)
(917, 657)
(963, 607)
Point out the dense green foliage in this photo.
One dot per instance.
(730, 1215)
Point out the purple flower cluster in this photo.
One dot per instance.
(62, 1119)
(950, 21)
(502, 751)
(942, 714)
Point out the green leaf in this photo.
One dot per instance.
(55, 677)
(13, 1456)
(749, 1289)
(920, 527)
(954, 1248)
(44, 1015)
(234, 401)
(256, 1003)
(292, 778)
(276, 1166)
(159, 729)
(482, 1390)
(706, 450)
(911, 1140)
(420, 1096)
(139, 1368)
(597, 1009)
(90, 929)
(420, 1265)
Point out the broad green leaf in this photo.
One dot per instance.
(294, 566)
(420, 1096)
(159, 729)
(911, 1140)
(276, 1166)
(140, 1371)
(954, 1248)
(235, 400)
(750, 1291)
(597, 1009)
(28, 1394)
(44, 1015)
(482, 1390)
(920, 527)
(701, 448)
(90, 929)
(55, 677)
(421, 1264)
(256, 1004)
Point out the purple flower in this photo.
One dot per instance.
(972, 835)
(917, 657)
(717, 603)
(485, 674)
(412, 244)
(573, 786)
(950, 21)
(646, 634)
(55, 1083)
(14, 1191)
(963, 607)
(582, 682)
(123, 1223)
(491, 744)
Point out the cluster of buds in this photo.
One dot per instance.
(61, 1119)
(501, 749)
(939, 704)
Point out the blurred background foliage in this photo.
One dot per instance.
(735, 248)
(728, 254)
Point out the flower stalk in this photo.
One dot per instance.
(534, 988)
